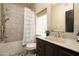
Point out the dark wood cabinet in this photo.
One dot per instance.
(49, 51)
(45, 48)
(40, 48)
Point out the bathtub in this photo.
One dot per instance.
(12, 49)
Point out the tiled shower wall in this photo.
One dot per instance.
(14, 26)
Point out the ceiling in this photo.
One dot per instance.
(29, 5)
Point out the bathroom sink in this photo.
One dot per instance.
(62, 40)
(55, 39)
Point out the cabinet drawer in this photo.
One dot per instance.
(69, 52)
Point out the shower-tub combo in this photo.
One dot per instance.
(15, 48)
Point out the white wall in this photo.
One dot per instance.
(76, 17)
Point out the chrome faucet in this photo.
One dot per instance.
(58, 34)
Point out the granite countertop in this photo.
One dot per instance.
(71, 44)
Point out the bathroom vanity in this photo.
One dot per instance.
(63, 21)
(56, 46)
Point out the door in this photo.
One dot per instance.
(69, 21)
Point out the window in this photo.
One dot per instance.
(41, 23)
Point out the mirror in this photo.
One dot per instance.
(63, 17)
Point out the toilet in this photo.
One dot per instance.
(31, 48)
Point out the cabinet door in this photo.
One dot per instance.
(54, 50)
(61, 51)
(68, 52)
(40, 51)
(64, 53)
(49, 50)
